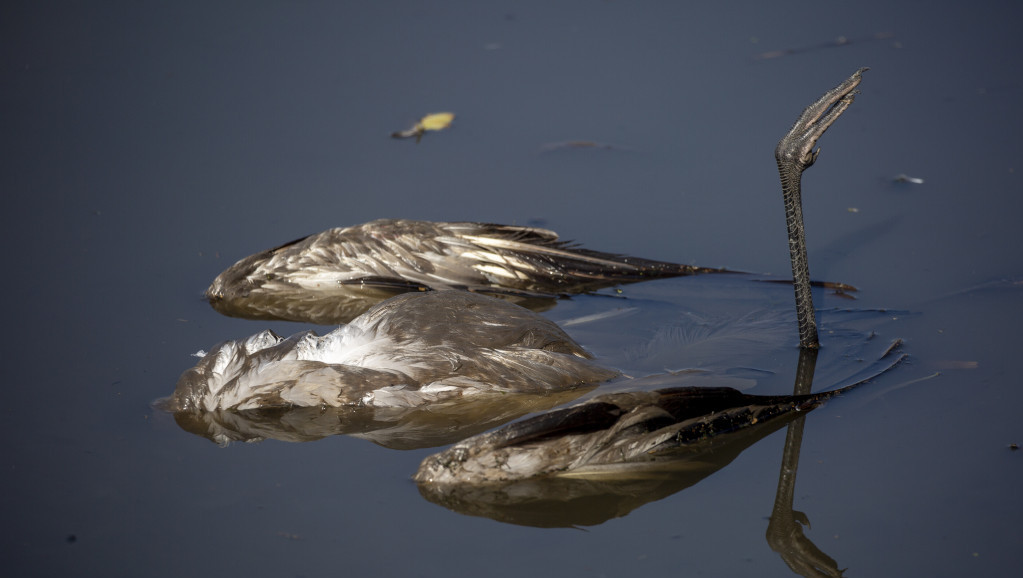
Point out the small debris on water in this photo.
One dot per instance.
(837, 42)
(958, 364)
(578, 144)
(290, 536)
(903, 178)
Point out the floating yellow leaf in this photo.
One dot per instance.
(435, 121)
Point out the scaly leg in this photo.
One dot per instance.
(795, 153)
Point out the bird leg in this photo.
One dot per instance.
(795, 153)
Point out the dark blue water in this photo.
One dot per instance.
(146, 148)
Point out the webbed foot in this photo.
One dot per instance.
(796, 149)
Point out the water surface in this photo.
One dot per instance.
(146, 148)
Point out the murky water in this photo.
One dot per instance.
(147, 148)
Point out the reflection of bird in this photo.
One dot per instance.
(407, 351)
(438, 423)
(333, 276)
(635, 430)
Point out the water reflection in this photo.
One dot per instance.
(391, 427)
(785, 529)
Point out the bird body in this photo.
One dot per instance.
(609, 434)
(411, 350)
(333, 276)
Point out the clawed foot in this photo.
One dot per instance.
(796, 149)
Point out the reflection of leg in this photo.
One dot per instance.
(785, 530)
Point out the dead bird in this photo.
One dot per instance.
(421, 348)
